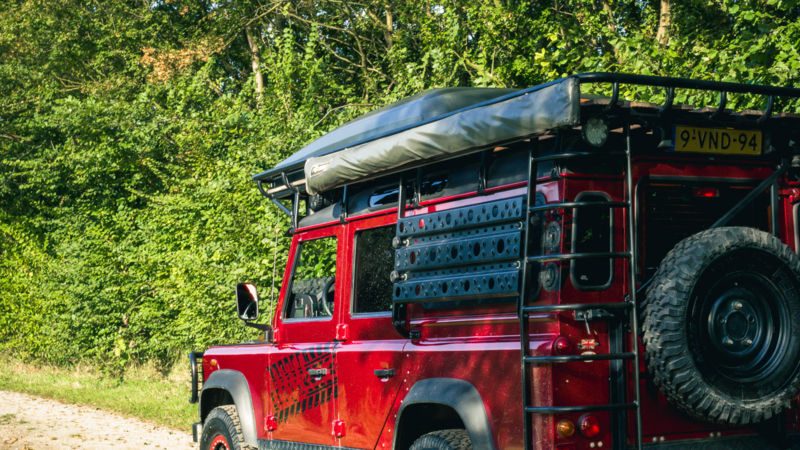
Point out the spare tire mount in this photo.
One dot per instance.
(722, 325)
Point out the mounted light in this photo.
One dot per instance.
(566, 428)
(562, 346)
(707, 192)
(595, 131)
(589, 426)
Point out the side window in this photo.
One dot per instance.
(312, 290)
(592, 233)
(374, 263)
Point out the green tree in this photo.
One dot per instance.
(129, 131)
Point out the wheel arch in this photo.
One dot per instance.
(443, 403)
(229, 387)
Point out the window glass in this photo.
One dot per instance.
(592, 234)
(374, 263)
(389, 195)
(312, 289)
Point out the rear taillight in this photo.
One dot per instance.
(708, 192)
(565, 428)
(562, 346)
(589, 426)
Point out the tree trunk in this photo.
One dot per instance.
(663, 23)
(256, 60)
(387, 33)
(612, 29)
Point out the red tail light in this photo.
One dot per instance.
(562, 346)
(705, 192)
(589, 426)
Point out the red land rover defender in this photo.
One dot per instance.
(564, 271)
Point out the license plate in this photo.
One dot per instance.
(718, 141)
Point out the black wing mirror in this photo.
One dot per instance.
(247, 307)
(246, 301)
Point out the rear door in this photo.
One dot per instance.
(370, 359)
(302, 371)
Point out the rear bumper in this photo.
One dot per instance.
(729, 443)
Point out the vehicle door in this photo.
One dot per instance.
(302, 371)
(370, 359)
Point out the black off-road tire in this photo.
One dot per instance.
(444, 440)
(223, 431)
(710, 294)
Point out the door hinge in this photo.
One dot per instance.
(270, 423)
(593, 314)
(342, 332)
(338, 428)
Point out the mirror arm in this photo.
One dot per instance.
(259, 326)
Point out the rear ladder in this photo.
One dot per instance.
(617, 357)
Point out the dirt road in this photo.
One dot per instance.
(35, 423)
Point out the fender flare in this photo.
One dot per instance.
(462, 397)
(236, 385)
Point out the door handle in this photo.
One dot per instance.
(384, 373)
(317, 372)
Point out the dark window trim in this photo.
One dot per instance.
(572, 275)
(298, 249)
(354, 277)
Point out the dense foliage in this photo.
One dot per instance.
(129, 130)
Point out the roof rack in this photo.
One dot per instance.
(277, 179)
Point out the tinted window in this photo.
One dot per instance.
(388, 195)
(374, 262)
(312, 290)
(434, 184)
(591, 234)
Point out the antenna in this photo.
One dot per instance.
(274, 263)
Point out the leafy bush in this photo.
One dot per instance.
(129, 132)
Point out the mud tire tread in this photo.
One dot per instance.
(662, 316)
(227, 415)
(444, 440)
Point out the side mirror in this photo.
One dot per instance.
(246, 301)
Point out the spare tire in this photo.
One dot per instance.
(721, 325)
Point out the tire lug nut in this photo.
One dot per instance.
(727, 342)
(737, 305)
(748, 342)
(751, 319)
(721, 319)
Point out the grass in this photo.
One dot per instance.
(147, 392)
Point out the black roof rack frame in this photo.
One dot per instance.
(280, 187)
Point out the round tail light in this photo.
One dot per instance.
(566, 428)
(589, 426)
(562, 346)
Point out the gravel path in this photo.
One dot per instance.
(35, 423)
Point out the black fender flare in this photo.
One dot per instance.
(462, 397)
(236, 385)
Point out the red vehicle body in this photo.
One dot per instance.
(349, 379)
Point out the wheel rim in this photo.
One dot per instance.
(740, 325)
(219, 443)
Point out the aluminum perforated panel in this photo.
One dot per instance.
(469, 252)
(481, 215)
(460, 248)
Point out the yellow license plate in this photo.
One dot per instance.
(718, 141)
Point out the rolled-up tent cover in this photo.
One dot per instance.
(527, 113)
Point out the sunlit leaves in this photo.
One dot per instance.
(129, 132)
